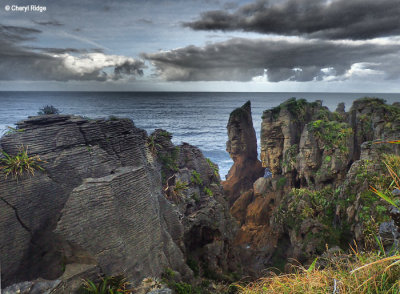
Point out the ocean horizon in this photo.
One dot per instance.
(197, 118)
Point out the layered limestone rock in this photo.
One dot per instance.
(192, 182)
(242, 147)
(100, 203)
(319, 191)
(302, 141)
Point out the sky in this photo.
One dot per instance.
(200, 45)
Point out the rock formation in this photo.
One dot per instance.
(113, 200)
(242, 147)
(318, 194)
(100, 205)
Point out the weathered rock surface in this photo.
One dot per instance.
(101, 203)
(242, 147)
(192, 182)
(319, 192)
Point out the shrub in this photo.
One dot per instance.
(194, 266)
(165, 134)
(48, 109)
(295, 107)
(280, 184)
(214, 167)
(332, 133)
(151, 143)
(195, 178)
(208, 191)
(19, 164)
(107, 285)
(179, 187)
(169, 161)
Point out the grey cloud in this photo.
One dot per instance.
(130, 68)
(144, 21)
(230, 5)
(56, 50)
(17, 34)
(49, 23)
(18, 62)
(337, 19)
(243, 59)
(63, 50)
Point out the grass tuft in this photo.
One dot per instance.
(107, 285)
(22, 163)
(345, 274)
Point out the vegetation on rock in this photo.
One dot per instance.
(48, 109)
(107, 285)
(337, 276)
(21, 163)
(366, 271)
(180, 187)
(333, 134)
(296, 107)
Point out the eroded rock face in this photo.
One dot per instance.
(242, 147)
(124, 208)
(319, 191)
(192, 183)
(101, 202)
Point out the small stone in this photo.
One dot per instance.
(161, 291)
(267, 173)
(260, 186)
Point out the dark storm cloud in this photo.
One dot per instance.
(302, 60)
(129, 68)
(18, 62)
(53, 23)
(56, 50)
(144, 21)
(337, 19)
(17, 34)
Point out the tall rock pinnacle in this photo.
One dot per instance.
(242, 147)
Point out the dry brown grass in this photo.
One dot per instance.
(337, 277)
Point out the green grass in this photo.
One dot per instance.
(20, 164)
(152, 145)
(180, 187)
(11, 130)
(208, 191)
(195, 178)
(107, 285)
(214, 167)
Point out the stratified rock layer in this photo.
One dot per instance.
(100, 202)
(242, 147)
(321, 172)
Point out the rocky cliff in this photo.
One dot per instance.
(110, 200)
(322, 164)
(242, 148)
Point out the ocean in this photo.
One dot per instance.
(198, 118)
